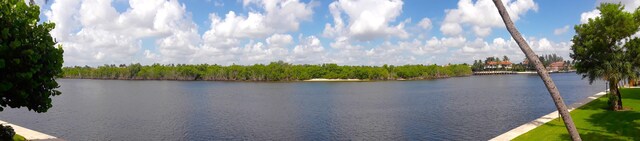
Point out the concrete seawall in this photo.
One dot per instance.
(513, 133)
(31, 134)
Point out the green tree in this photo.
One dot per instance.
(134, 69)
(29, 60)
(601, 51)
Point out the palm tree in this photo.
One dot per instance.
(553, 90)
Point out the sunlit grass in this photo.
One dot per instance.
(595, 122)
(18, 138)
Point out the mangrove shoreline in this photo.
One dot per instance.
(274, 71)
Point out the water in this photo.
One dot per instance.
(464, 108)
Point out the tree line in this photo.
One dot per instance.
(274, 71)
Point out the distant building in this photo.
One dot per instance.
(556, 66)
(506, 64)
(498, 65)
(491, 65)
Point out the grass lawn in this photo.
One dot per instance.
(595, 122)
(18, 138)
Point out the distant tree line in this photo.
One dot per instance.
(275, 71)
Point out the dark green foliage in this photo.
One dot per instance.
(29, 60)
(605, 49)
(275, 71)
(6, 132)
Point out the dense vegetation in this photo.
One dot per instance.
(606, 48)
(275, 71)
(29, 58)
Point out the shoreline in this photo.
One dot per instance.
(522, 129)
(514, 72)
(307, 80)
(30, 134)
(335, 80)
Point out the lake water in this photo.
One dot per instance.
(463, 108)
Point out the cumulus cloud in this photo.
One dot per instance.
(482, 16)
(584, 17)
(425, 23)
(274, 49)
(629, 6)
(93, 32)
(279, 16)
(308, 51)
(367, 19)
(480, 49)
(562, 30)
(222, 42)
(451, 29)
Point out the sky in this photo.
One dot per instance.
(346, 32)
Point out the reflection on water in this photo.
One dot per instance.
(465, 108)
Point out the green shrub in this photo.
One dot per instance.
(6, 132)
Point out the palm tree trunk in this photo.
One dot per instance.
(553, 90)
(615, 100)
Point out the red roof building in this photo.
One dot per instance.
(497, 65)
(556, 66)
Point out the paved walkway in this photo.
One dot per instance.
(542, 120)
(30, 134)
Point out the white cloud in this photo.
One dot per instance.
(279, 16)
(584, 17)
(629, 6)
(480, 49)
(222, 42)
(64, 14)
(559, 31)
(309, 51)
(234, 26)
(255, 53)
(432, 46)
(451, 29)
(279, 40)
(93, 32)
(367, 19)
(277, 47)
(452, 41)
(149, 55)
(425, 23)
(482, 15)
(481, 31)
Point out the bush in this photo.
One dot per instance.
(29, 59)
(6, 132)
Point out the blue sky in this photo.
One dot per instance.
(368, 32)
